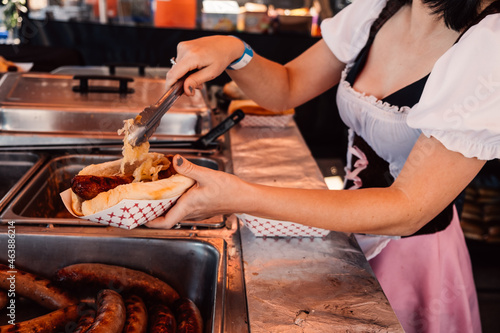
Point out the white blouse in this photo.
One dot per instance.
(459, 106)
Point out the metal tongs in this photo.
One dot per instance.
(146, 122)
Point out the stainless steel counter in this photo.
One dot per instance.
(290, 284)
(302, 284)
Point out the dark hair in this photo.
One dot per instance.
(457, 14)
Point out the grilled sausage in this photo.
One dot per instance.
(88, 187)
(137, 315)
(170, 171)
(49, 323)
(119, 278)
(188, 316)
(36, 288)
(86, 320)
(161, 319)
(3, 299)
(110, 316)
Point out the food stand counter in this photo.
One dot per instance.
(259, 284)
(302, 284)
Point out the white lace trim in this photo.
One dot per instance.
(464, 145)
(370, 98)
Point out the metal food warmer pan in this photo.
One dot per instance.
(39, 202)
(122, 69)
(194, 268)
(45, 109)
(16, 169)
(203, 264)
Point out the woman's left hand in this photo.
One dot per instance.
(212, 194)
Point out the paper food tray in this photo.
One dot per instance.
(266, 121)
(261, 227)
(127, 214)
(257, 116)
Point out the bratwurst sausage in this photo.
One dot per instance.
(110, 316)
(88, 187)
(86, 320)
(36, 288)
(137, 315)
(161, 319)
(49, 323)
(118, 278)
(188, 316)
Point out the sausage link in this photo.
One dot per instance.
(88, 187)
(170, 171)
(86, 320)
(3, 299)
(188, 316)
(137, 315)
(161, 319)
(119, 278)
(49, 323)
(110, 316)
(36, 288)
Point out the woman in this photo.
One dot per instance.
(421, 101)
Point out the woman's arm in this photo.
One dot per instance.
(269, 84)
(431, 178)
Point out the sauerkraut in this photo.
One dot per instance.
(148, 165)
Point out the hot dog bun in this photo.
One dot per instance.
(141, 190)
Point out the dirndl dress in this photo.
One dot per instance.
(427, 277)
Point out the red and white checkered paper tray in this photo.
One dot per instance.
(257, 116)
(262, 227)
(127, 214)
(266, 121)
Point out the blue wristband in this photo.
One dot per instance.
(244, 59)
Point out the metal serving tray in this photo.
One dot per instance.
(40, 201)
(39, 105)
(195, 268)
(118, 69)
(15, 170)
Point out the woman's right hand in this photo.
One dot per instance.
(214, 193)
(210, 56)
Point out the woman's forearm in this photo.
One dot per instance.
(425, 186)
(265, 82)
(373, 211)
(272, 85)
(281, 87)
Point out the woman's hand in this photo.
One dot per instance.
(214, 193)
(271, 85)
(209, 55)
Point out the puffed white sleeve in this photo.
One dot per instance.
(346, 33)
(460, 104)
